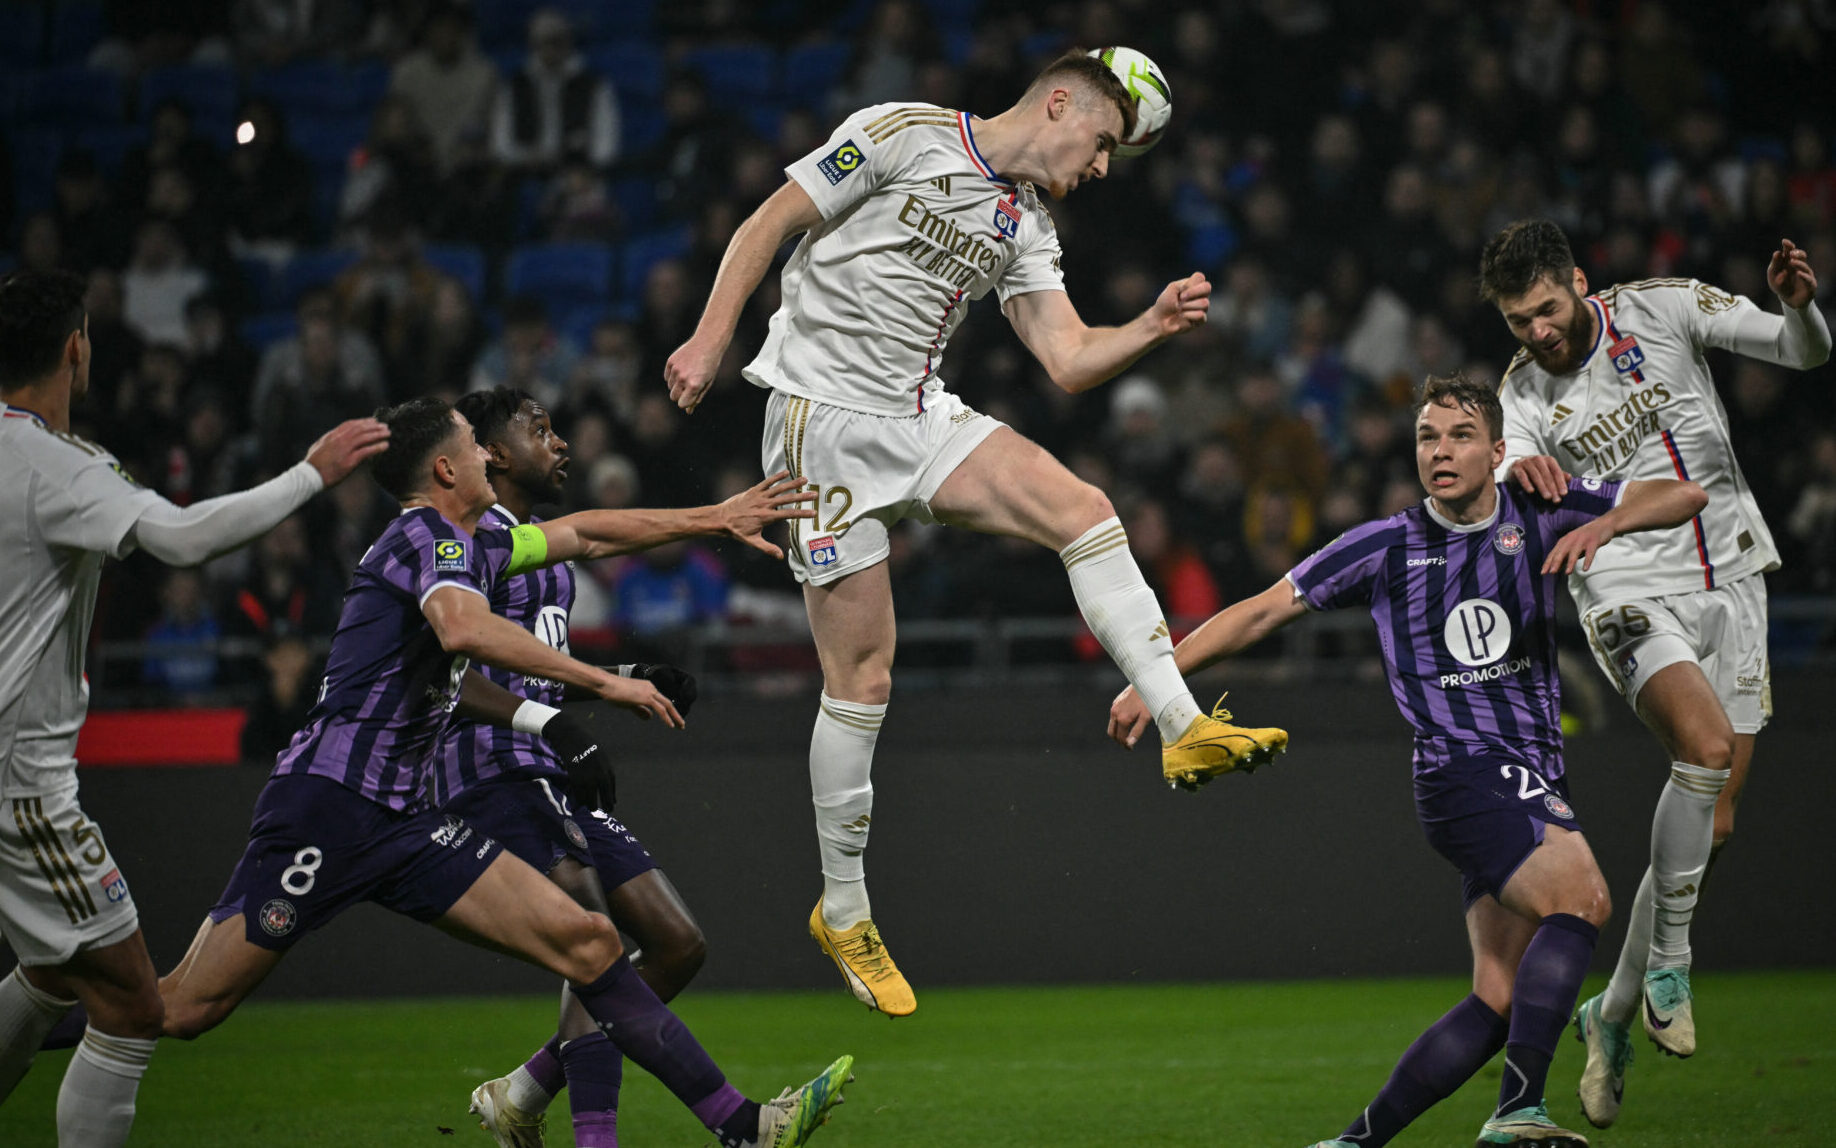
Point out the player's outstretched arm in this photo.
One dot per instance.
(1798, 338)
(1077, 356)
(188, 535)
(603, 533)
(1234, 628)
(1652, 504)
(690, 369)
(463, 622)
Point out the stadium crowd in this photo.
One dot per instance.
(291, 213)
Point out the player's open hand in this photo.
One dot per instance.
(640, 697)
(1579, 546)
(1790, 275)
(1128, 717)
(343, 448)
(748, 513)
(1541, 475)
(1183, 304)
(690, 372)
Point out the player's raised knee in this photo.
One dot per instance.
(678, 954)
(587, 946)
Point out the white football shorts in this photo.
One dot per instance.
(1721, 630)
(869, 472)
(60, 889)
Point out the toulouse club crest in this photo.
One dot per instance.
(1509, 540)
(1558, 807)
(278, 917)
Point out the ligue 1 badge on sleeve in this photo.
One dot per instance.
(449, 555)
(822, 551)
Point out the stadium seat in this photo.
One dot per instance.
(328, 140)
(110, 143)
(209, 92)
(634, 67)
(810, 71)
(953, 13)
(1210, 244)
(260, 284)
(504, 23)
(641, 125)
(309, 269)
(263, 331)
(636, 197)
(22, 34)
(462, 261)
(322, 87)
(71, 98)
(77, 26)
(765, 118)
(740, 73)
(565, 276)
(645, 251)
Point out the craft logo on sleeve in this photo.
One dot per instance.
(449, 554)
(837, 165)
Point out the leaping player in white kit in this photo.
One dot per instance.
(1614, 386)
(908, 212)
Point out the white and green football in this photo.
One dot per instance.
(1153, 98)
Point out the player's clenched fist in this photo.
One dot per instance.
(1183, 304)
(690, 371)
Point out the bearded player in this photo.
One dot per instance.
(1615, 385)
(907, 213)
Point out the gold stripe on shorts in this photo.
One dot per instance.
(53, 862)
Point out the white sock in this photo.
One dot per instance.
(27, 1013)
(525, 1093)
(1123, 614)
(1682, 833)
(95, 1107)
(1619, 1003)
(841, 788)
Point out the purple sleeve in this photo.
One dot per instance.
(432, 552)
(1344, 571)
(1586, 500)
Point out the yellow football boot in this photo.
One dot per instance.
(865, 964)
(1211, 746)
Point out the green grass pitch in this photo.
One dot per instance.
(1243, 1064)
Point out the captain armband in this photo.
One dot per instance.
(528, 549)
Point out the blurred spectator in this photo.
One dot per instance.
(394, 166)
(1139, 441)
(114, 348)
(284, 593)
(1271, 442)
(359, 511)
(530, 355)
(672, 464)
(554, 108)
(609, 375)
(697, 145)
(94, 233)
(286, 698)
(1812, 521)
(312, 382)
(1540, 46)
(194, 462)
(448, 82)
(389, 295)
(181, 654)
(173, 197)
(454, 336)
(219, 358)
(1180, 579)
(660, 593)
(274, 33)
(1812, 183)
(268, 201)
(158, 282)
(1209, 514)
(576, 205)
(41, 244)
(172, 141)
(144, 36)
(895, 40)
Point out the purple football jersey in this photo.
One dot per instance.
(389, 688)
(1466, 620)
(539, 601)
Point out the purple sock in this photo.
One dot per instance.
(545, 1067)
(1542, 999)
(1440, 1061)
(644, 1029)
(594, 1071)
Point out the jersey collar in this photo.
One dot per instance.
(498, 509)
(967, 132)
(8, 410)
(1452, 527)
(1602, 322)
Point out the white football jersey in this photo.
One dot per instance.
(914, 225)
(65, 504)
(1643, 406)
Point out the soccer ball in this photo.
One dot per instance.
(1153, 98)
